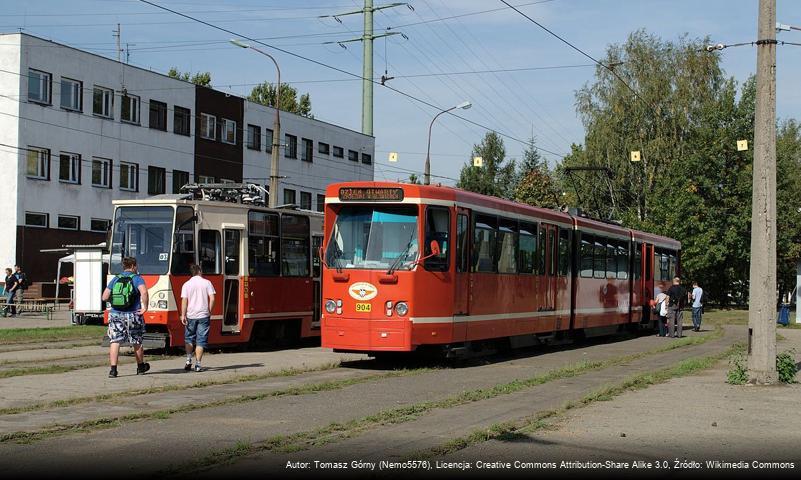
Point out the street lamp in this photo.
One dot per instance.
(464, 106)
(273, 200)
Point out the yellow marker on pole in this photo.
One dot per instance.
(635, 156)
(742, 145)
(478, 162)
(393, 156)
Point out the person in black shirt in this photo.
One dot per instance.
(22, 284)
(677, 299)
(10, 291)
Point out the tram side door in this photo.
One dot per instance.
(232, 285)
(462, 293)
(551, 234)
(317, 241)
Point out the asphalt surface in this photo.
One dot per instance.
(189, 440)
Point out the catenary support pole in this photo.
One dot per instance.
(762, 292)
(367, 70)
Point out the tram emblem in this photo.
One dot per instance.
(363, 291)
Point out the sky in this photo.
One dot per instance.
(442, 58)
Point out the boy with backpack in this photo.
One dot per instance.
(127, 295)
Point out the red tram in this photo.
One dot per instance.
(259, 260)
(410, 266)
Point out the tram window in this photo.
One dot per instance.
(623, 260)
(664, 267)
(317, 242)
(541, 251)
(295, 245)
(587, 242)
(611, 259)
(599, 265)
(263, 247)
(183, 251)
(210, 252)
(649, 263)
(671, 265)
(461, 243)
(506, 246)
(528, 247)
(483, 244)
(552, 239)
(438, 227)
(564, 252)
(637, 267)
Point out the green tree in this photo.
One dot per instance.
(788, 203)
(535, 184)
(414, 179)
(497, 176)
(200, 78)
(264, 93)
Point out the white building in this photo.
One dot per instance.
(78, 130)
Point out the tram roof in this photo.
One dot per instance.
(186, 199)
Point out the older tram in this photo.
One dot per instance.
(412, 266)
(258, 259)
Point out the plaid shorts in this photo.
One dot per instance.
(126, 327)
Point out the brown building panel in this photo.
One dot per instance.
(213, 157)
(41, 267)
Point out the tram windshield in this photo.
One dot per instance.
(374, 238)
(144, 233)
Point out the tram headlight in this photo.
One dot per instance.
(402, 308)
(330, 306)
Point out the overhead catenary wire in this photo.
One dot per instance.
(332, 67)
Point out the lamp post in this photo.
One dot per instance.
(273, 200)
(427, 178)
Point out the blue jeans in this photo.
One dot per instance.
(197, 331)
(697, 317)
(10, 306)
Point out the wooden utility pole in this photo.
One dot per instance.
(762, 291)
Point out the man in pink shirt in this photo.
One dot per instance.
(197, 301)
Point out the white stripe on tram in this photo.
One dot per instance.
(514, 316)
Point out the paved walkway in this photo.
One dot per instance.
(185, 438)
(60, 318)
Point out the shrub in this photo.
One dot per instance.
(738, 374)
(785, 366)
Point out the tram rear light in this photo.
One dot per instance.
(339, 303)
(389, 308)
(163, 304)
(402, 308)
(330, 306)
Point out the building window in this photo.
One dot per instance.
(69, 169)
(103, 102)
(208, 126)
(320, 202)
(182, 120)
(39, 86)
(129, 177)
(254, 137)
(38, 163)
(69, 222)
(158, 115)
(268, 140)
(308, 150)
(367, 159)
(205, 179)
(179, 179)
(323, 148)
(36, 219)
(71, 94)
(353, 155)
(339, 152)
(101, 172)
(99, 225)
(156, 180)
(291, 146)
(130, 109)
(228, 131)
(289, 196)
(305, 200)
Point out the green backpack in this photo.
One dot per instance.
(123, 293)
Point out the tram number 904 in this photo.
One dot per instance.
(363, 307)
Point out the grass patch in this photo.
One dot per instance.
(51, 334)
(16, 372)
(339, 431)
(519, 430)
(108, 422)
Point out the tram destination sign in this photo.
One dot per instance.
(370, 194)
